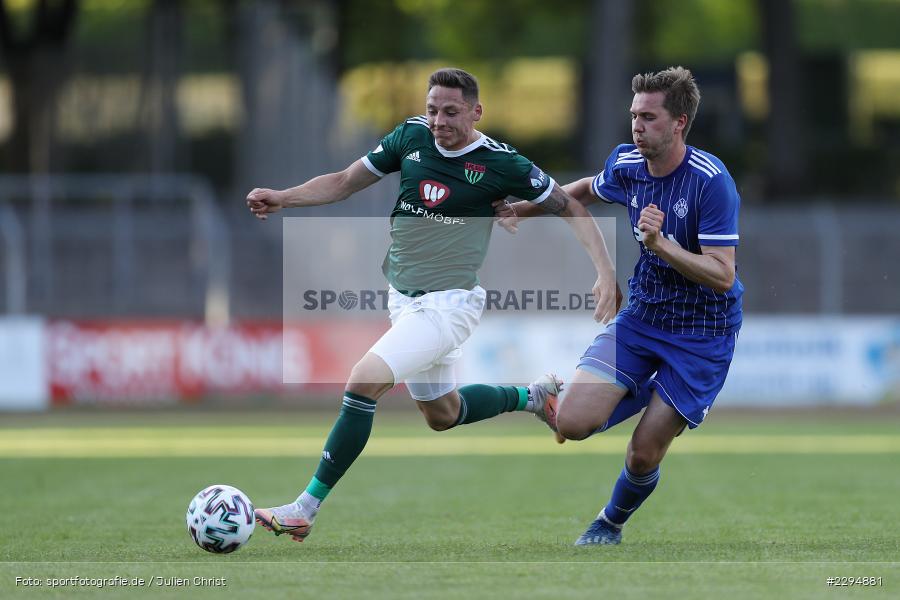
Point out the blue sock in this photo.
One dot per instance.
(628, 494)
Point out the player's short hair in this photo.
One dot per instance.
(458, 79)
(682, 96)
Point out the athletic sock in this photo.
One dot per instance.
(310, 504)
(529, 401)
(347, 439)
(478, 401)
(628, 494)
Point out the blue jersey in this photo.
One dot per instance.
(701, 205)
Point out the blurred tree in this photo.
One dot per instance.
(607, 69)
(844, 25)
(461, 30)
(786, 161)
(35, 58)
(288, 91)
(695, 33)
(159, 85)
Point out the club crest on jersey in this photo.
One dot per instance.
(680, 208)
(432, 192)
(474, 172)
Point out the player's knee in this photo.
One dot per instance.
(360, 374)
(570, 428)
(642, 458)
(440, 421)
(368, 380)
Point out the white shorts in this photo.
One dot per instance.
(425, 337)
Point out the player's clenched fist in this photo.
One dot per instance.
(650, 224)
(263, 201)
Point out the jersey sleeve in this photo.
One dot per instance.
(527, 181)
(606, 185)
(386, 157)
(719, 206)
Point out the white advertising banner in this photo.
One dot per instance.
(779, 361)
(814, 360)
(23, 380)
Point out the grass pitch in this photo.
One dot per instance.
(746, 507)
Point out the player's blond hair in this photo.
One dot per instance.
(682, 96)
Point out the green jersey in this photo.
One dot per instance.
(441, 224)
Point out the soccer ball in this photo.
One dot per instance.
(220, 519)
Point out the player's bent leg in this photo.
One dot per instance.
(434, 390)
(651, 439)
(444, 406)
(470, 404)
(659, 425)
(369, 380)
(588, 402)
(441, 413)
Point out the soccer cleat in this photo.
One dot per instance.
(543, 393)
(601, 532)
(288, 519)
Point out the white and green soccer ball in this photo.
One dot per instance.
(220, 519)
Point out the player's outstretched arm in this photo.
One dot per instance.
(508, 215)
(606, 290)
(324, 189)
(580, 189)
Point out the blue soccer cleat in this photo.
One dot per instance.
(601, 532)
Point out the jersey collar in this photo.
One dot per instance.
(678, 169)
(461, 151)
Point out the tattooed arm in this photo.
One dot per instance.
(509, 215)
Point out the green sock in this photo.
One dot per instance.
(317, 489)
(347, 439)
(478, 401)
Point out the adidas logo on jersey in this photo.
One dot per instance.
(634, 201)
(413, 156)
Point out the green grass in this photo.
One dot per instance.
(757, 523)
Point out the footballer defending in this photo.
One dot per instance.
(440, 227)
(670, 348)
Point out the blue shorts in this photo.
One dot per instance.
(690, 369)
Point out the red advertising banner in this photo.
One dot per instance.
(138, 362)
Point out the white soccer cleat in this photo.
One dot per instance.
(287, 519)
(544, 393)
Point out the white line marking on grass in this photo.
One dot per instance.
(453, 562)
(113, 443)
